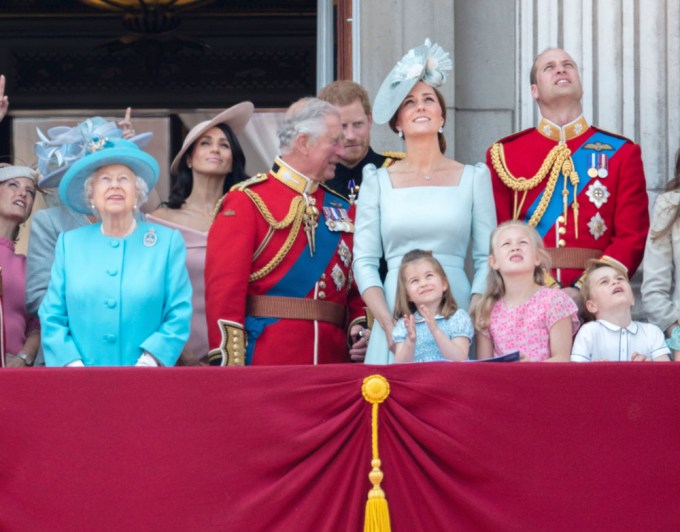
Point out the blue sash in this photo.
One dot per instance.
(301, 277)
(581, 158)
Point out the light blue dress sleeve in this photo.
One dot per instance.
(483, 223)
(167, 342)
(368, 246)
(459, 324)
(399, 332)
(57, 342)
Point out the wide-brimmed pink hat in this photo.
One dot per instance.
(236, 117)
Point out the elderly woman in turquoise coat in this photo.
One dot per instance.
(119, 292)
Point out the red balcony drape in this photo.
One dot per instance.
(464, 446)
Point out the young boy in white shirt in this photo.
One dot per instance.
(613, 335)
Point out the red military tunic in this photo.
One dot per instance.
(611, 219)
(258, 246)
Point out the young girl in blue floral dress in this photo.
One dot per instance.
(430, 325)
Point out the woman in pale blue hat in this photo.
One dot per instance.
(119, 293)
(425, 200)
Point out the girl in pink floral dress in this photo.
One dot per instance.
(517, 312)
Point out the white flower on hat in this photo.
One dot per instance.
(438, 62)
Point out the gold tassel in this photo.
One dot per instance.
(375, 390)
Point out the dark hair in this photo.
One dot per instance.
(673, 184)
(184, 181)
(442, 104)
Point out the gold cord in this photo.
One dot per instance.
(557, 161)
(294, 217)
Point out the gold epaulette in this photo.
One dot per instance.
(259, 178)
(392, 156)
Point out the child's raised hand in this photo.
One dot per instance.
(410, 323)
(428, 317)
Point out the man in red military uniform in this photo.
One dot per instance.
(583, 188)
(279, 257)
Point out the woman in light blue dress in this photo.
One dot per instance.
(424, 201)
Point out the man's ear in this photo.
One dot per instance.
(302, 143)
(534, 91)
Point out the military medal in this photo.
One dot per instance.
(602, 171)
(337, 219)
(352, 189)
(150, 238)
(592, 171)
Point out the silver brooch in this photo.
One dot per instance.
(150, 238)
(345, 253)
(597, 226)
(338, 277)
(598, 194)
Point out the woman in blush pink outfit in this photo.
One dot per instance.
(210, 162)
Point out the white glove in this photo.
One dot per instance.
(146, 361)
(75, 364)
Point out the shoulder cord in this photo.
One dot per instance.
(558, 160)
(294, 217)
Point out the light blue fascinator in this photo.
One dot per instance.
(427, 62)
(63, 146)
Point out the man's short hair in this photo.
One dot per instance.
(306, 116)
(344, 92)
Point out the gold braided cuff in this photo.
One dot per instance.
(232, 350)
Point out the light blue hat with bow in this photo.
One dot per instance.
(427, 62)
(63, 146)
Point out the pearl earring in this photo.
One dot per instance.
(441, 129)
(401, 134)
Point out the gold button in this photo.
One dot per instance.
(561, 243)
(322, 295)
(560, 220)
(322, 284)
(562, 230)
(323, 275)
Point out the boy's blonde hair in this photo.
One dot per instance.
(403, 305)
(594, 265)
(495, 287)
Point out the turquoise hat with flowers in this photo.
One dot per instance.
(427, 62)
(103, 152)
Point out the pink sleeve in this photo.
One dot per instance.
(560, 305)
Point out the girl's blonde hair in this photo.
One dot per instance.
(495, 286)
(403, 305)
